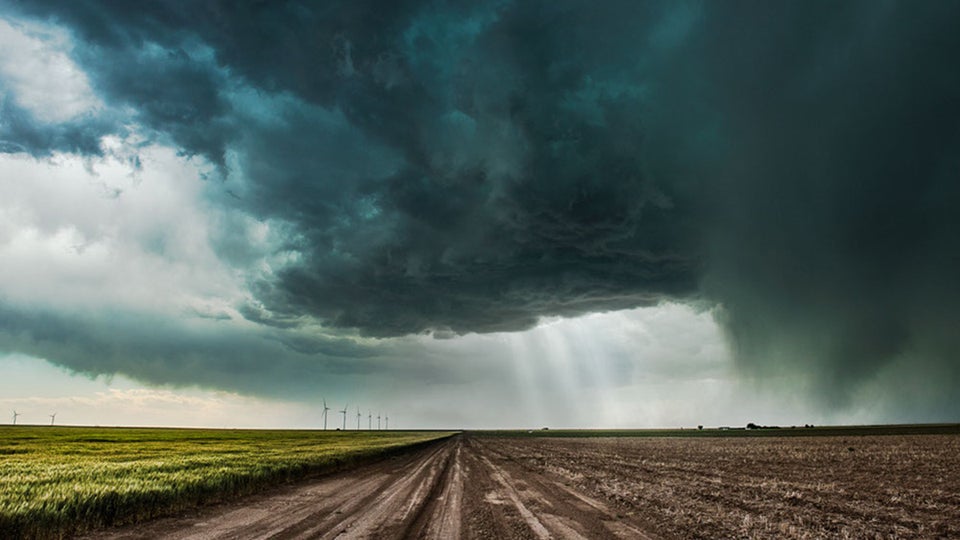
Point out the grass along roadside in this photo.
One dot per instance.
(57, 481)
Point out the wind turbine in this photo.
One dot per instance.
(325, 409)
(358, 418)
(53, 417)
(378, 420)
(344, 411)
(387, 417)
(15, 415)
(369, 420)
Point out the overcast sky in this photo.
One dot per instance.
(480, 214)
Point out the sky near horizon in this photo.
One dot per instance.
(479, 214)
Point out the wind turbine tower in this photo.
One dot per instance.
(369, 421)
(325, 409)
(358, 418)
(378, 420)
(53, 417)
(387, 418)
(344, 411)
(15, 415)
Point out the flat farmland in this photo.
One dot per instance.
(58, 481)
(638, 487)
(889, 486)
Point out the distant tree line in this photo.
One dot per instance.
(751, 425)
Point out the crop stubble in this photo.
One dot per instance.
(808, 487)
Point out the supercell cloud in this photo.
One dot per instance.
(458, 167)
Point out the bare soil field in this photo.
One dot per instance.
(485, 487)
(805, 487)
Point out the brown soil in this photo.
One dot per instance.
(797, 487)
(473, 487)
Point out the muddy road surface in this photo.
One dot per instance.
(459, 488)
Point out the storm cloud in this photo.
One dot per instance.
(475, 167)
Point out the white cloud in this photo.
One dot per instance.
(36, 66)
(79, 235)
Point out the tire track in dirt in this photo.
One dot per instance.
(550, 508)
(458, 488)
(396, 508)
(342, 505)
(443, 519)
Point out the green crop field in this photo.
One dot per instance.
(58, 481)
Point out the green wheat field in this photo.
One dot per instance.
(57, 481)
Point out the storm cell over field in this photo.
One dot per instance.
(485, 212)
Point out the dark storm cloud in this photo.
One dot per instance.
(466, 167)
(836, 204)
(20, 132)
(443, 167)
(495, 176)
(198, 352)
(172, 92)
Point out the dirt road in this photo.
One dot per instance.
(459, 488)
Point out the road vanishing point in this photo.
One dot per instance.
(458, 488)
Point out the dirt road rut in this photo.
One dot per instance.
(460, 488)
